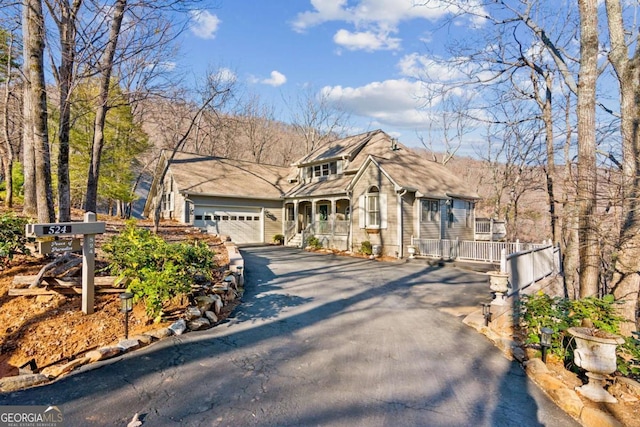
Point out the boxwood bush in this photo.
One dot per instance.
(157, 271)
(12, 237)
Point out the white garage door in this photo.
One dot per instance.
(241, 224)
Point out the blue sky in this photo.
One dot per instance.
(362, 54)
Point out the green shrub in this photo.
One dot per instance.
(629, 356)
(314, 242)
(541, 310)
(12, 237)
(156, 270)
(278, 239)
(366, 248)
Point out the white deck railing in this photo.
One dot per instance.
(469, 250)
(526, 263)
(527, 267)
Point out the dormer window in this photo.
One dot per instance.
(324, 169)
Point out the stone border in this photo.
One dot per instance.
(499, 332)
(199, 317)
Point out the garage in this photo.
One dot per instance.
(243, 225)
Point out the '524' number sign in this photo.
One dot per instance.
(56, 229)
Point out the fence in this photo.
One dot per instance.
(527, 267)
(526, 263)
(469, 250)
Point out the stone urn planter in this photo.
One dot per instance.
(595, 353)
(412, 251)
(499, 284)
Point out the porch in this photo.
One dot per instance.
(326, 218)
(489, 229)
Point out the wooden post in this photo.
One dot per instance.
(88, 267)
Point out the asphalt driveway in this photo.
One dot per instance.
(319, 340)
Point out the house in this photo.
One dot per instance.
(363, 188)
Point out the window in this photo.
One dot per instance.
(207, 217)
(430, 211)
(198, 218)
(373, 208)
(216, 217)
(225, 218)
(324, 169)
(450, 216)
(333, 168)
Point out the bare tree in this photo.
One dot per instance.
(7, 149)
(36, 122)
(258, 126)
(626, 282)
(105, 68)
(65, 15)
(587, 181)
(453, 123)
(217, 94)
(315, 120)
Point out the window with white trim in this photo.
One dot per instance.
(430, 211)
(324, 169)
(373, 207)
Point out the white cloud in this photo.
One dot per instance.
(225, 75)
(374, 20)
(365, 40)
(276, 79)
(205, 24)
(390, 12)
(391, 102)
(424, 67)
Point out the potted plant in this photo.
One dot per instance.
(595, 353)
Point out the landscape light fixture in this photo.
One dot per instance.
(545, 341)
(486, 312)
(126, 305)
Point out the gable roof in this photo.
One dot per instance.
(345, 148)
(416, 174)
(219, 176)
(406, 169)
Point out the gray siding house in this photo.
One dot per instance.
(363, 188)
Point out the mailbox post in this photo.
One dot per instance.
(89, 228)
(88, 266)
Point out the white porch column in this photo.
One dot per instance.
(332, 217)
(313, 212)
(295, 215)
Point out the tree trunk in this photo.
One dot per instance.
(589, 248)
(29, 207)
(106, 67)
(547, 117)
(625, 281)
(569, 241)
(6, 149)
(44, 195)
(67, 30)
